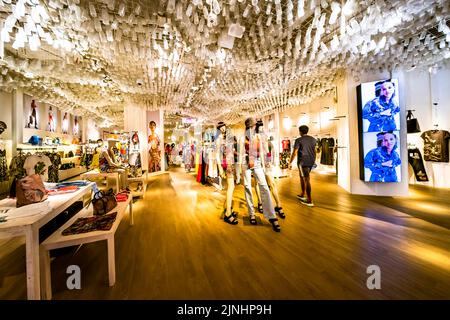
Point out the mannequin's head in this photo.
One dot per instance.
(111, 144)
(221, 126)
(152, 126)
(259, 126)
(250, 123)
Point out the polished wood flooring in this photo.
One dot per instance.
(179, 248)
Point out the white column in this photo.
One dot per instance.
(135, 119)
(17, 120)
(161, 125)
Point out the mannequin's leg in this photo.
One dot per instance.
(230, 190)
(248, 191)
(268, 209)
(273, 187)
(258, 193)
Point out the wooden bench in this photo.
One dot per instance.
(57, 240)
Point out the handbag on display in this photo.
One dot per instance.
(104, 202)
(412, 124)
(30, 190)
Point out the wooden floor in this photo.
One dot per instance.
(179, 248)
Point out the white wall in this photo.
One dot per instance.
(91, 130)
(424, 89)
(6, 101)
(316, 118)
(343, 135)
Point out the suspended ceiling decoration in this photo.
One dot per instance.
(210, 59)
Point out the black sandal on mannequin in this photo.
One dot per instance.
(279, 211)
(275, 226)
(260, 208)
(230, 219)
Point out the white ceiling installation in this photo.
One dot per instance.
(211, 59)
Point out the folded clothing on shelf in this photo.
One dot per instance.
(66, 166)
(88, 224)
(77, 183)
(62, 190)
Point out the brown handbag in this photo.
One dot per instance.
(30, 190)
(104, 202)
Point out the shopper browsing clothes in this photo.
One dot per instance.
(252, 160)
(305, 151)
(225, 159)
(380, 111)
(268, 171)
(383, 160)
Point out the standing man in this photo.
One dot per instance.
(305, 150)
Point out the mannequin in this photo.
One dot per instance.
(108, 163)
(268, 171)
(225, 161)
(154, 157)
(252, 160)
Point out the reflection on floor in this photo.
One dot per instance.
(179, 248)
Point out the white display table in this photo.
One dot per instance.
(28, 225)
(57, 240)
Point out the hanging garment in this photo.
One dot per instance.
(285, 156)
(286, 145)
(16, 169)
(3, 166)
(37, 164)
(327, 151)
(436, 145)
(55, 159)
(416, 162)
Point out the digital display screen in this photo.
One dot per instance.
(379, 131)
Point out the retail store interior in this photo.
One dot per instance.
(224, 149)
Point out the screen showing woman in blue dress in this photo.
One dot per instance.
(381, 112)
(384, 160)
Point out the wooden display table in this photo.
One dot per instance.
(57, 240)
(29, 226)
